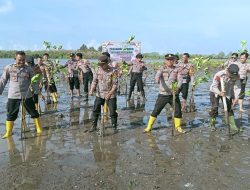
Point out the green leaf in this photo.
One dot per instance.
(36, 78)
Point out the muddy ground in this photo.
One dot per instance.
(65, 156)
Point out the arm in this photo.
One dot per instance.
(94, 84)
(158, 76)
(215, 85)
(191, 74)
(4, 79)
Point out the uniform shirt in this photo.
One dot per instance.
(137, 67)
(244, 69)
(228, 63)
(186, 70)
(105, 81)
(72, 68)
(232, 88)
(20, 79)
(165, 76)
(84, 65)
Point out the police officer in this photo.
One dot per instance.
(186, 70)
(50, 85)
(230, 76)
(84, 66)
(138, 66)
(19, 91)
(36, 86)
(243, 72)
(165, 77)
(105, 83)
(233, 59)
(73, 75)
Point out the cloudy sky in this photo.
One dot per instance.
(161, 25)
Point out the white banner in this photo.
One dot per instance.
(122, 50)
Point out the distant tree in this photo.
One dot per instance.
(221, 55)
(100, 48)
(92, 49)
(83, 47)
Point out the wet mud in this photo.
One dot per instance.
(66, 156)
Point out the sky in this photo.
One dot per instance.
(164, 26)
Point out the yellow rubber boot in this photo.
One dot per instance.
(9, 128)
(54, 97)
(105, 108)
(38, 125)
(177, 124)
(150, 124)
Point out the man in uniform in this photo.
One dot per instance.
(243, 72)
(50, 85)
(105, 83)
(233, 59)
(166, 76)
(138, 66)
(230, 77)
(87, 74)
(73, 75)
(19, 91)
(186, 70)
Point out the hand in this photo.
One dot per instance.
(43, 97)
(91, 93)
(107, 97)
(222, 94)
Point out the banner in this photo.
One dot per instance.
(122, 50)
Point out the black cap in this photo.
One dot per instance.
(106, 53)
(103, 59)
(170, 56)
(139, 55)
(71, 54)
(30, 60)
(79, 55)
(233, 69)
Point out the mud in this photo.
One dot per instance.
(66, 156)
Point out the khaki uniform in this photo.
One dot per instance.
(104, 82)
(85, 67)
(243, 72)
(165, 76)
(19, 89)
(186, 71)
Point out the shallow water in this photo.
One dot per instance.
(65, 156)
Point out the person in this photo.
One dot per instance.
(243, 72)
(19, 76)
(233, 59)
(84, 66)
(36, 86)
(74, 82)
(137, 68)
(230, 77)
(186, 70)
(105, 82)
(166, 76)
(50, 85)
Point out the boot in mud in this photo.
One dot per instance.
(114, 125)
(94, 123)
